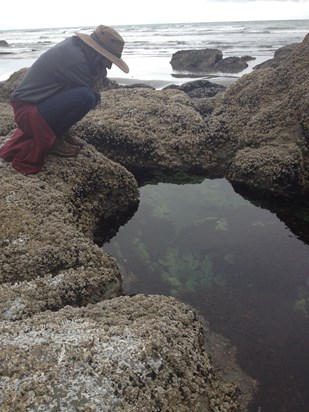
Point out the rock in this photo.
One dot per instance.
(231, 65)
(285, 51)
(66, 199)
(103, 351)
(195, 60)
(126, 354)
(165, 129)
(7, 123)
(280, 55)
(149, 130)
(265, 114)
(7, 86)
(279, 167)
(4, 43)
(206, 60)
(248, 58)
(199, 88)
(138, 85)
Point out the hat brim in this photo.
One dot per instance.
(110, 56)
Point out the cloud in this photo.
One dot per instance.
(33, 14)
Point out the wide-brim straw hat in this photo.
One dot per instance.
(108, 43)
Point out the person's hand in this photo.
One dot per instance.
(98, 79)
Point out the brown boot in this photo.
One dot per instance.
(72, 140)
(63, 149)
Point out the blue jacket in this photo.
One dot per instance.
(66, 65)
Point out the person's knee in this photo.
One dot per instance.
(88, 97)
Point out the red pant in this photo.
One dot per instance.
(30, 143)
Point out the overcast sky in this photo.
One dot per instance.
(17, 14)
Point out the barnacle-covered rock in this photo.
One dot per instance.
(48, 222)
(125, 354)
(149, 129)
(268, 110)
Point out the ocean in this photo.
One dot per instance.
(149, 48)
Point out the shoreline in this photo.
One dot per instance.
(154, 71)
(160, 84)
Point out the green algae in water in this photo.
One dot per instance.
(186, 204)
(193, 236)
(187, 271)
(164, 242)
(302, 301)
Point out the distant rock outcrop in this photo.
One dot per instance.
(195, 60)
(4, 43)
(207, 60)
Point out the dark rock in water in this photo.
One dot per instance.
(195, 60)
(4, 43)
(207, 60)
(248, 58)
(231, 65)
(199, 88)
(279, 56)
(138, 86)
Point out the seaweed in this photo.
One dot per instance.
(187, 271)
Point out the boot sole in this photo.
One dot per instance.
(61, 154)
